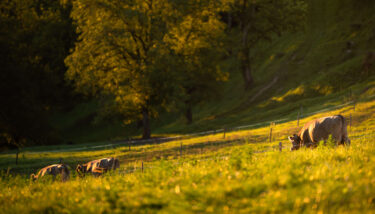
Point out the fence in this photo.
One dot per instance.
(274, 134)
(216, 131)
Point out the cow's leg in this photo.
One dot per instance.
(337, 137)
(345, 138)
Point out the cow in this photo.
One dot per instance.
(320, 129)
(98, 167)
(54, 170)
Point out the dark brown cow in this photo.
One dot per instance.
(54, 170)
(320, 129)
(98, 167)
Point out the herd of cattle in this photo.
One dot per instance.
(95, 167)
(309, 136)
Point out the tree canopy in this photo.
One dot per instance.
(131, 51)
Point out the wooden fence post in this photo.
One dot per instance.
(129, 146)
(299, 114)
(180, 149)
(271, 132)
(224, 133)
(142, 166)
(298, 119)
(280, 146)
(17, 156)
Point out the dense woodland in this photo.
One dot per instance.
(136, 59)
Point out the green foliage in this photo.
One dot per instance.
(126, 53)
(35, 38)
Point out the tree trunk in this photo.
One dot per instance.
(246, 73)
(244, 56)
(246, 68)
(189, 115)
(146, 124)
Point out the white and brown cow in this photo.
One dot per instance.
(53, 170)
(320, 129)
(98, 167)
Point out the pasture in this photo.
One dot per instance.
(241, 173)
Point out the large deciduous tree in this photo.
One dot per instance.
(126, 53)
(262, 20)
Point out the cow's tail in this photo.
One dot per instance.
(345, 138)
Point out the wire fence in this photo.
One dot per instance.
(191, 135)
(229, 139)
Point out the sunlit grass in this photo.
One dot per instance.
(242, 172)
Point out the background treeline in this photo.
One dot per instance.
(35, 38)
(135, 61)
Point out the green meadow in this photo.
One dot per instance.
(241, 173)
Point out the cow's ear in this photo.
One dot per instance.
(291, 138)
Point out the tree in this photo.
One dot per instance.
(197, 48)
(117, 55)
(126, 52)
(262, 20)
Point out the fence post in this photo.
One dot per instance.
(142, 166)
(181, 150)
(224, 133)
(280, 146)
(299, 114)
(17, 156)
(298, 119)
(271, 132)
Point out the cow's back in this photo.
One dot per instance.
(320, 129)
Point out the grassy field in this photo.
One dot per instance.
(240, 173)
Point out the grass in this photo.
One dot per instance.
(239, 174)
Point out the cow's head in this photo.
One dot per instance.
(81, 170)
(33, 177)
(296, 142)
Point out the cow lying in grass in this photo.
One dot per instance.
(54, 170)
(98, 167)
(320, 129)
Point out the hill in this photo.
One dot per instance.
(329, 63)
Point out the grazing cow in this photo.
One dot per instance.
(320, 129)
(54, 170)
(98, 167)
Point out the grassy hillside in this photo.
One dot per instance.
(240, 173)
(315, 69)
